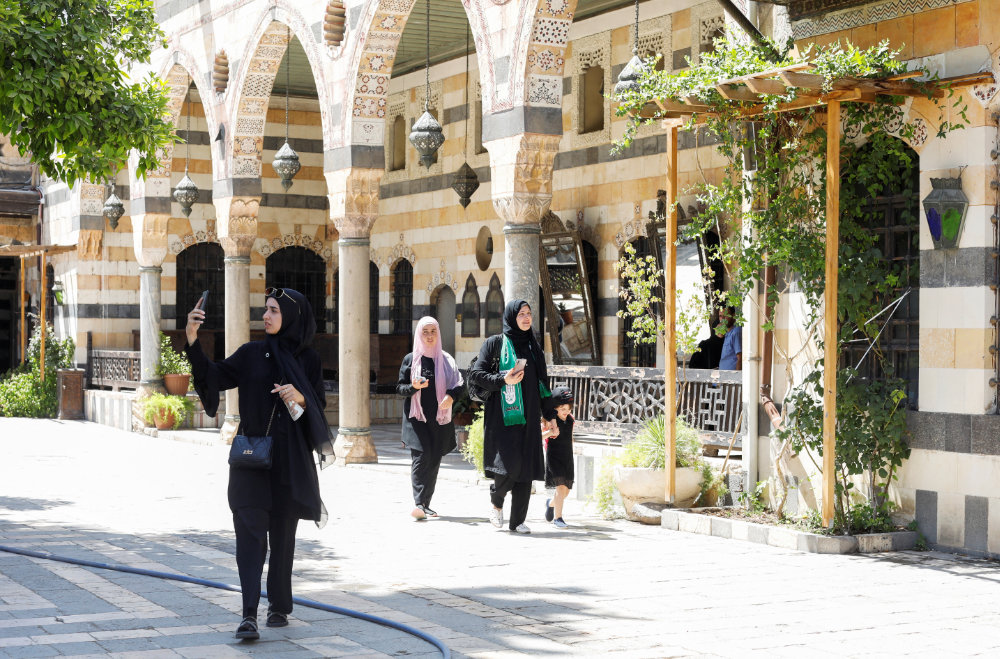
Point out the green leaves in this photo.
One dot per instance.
(65, 96)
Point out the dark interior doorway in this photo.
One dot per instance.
(9, 313)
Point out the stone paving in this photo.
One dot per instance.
(597, 588)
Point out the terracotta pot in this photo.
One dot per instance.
(644, 485)
(567, 317)
(163, 420)
(177, 385)
(462, 418)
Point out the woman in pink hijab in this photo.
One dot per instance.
(430, 382)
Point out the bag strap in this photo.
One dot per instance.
(269, 421)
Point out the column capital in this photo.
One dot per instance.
(521, 175)
(149, 238)
(354, 196)
(236, 224)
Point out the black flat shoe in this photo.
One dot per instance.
(277, 619)
(247, 631)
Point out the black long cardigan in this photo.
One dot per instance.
(291, 486)
(426, 435)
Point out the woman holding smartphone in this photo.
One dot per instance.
(429, 382)
(280, 381)
(512, 366)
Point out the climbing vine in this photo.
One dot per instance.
(768, 204)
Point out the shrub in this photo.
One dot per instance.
(171, 361)
(23, 393)
(472, 450)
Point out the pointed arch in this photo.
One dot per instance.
(254, 80)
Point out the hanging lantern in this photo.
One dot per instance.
(113, 210)
(185, 194)
(465, 184)
(945, 209)
(286, 164)
(426, 136)
(628, 79)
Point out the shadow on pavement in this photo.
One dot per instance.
(21, 503)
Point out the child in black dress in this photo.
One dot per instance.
(559, 455)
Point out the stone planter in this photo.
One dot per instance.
(644, 485)
(176, 385)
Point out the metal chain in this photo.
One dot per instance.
(635, 48)
(427, 67)
(288, 72)
(187, 132)
(466, 82)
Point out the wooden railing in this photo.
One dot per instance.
(614, 401)
(113, 368)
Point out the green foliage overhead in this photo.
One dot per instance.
(23, 393)
(65, 95)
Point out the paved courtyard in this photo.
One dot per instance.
(598, 588)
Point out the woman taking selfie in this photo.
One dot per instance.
(280, 382)
(512, 367)
(430, 382)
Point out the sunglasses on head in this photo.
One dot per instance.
(278, 293)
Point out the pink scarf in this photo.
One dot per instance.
(446, 374)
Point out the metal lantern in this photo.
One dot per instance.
(628, 79)
(426, 137)
(186, 193)
(945, 208)
(286, 164)
(465, 184)
(113, 210)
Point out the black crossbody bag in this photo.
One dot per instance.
(253, 452)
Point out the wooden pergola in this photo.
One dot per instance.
(745, 93)
(25, 252)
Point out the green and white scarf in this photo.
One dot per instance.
(510, 395)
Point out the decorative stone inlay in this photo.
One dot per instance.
(189, 239)
(267, 247)
(867, 14)
(630, 230)
(545, 55)
(443, 277)
(92, 198)
(707, 16)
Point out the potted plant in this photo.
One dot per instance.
(173, 367)
(472, 447)
(165, 411)
(462, 410)
(565, 314)
(639, 475)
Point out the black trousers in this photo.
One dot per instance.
(520, 497)
(255, 529)
(423, 475)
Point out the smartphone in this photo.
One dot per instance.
(519, 365)
(203, 302)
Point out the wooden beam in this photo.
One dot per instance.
(42, 293)
(830, 310)
(24, 328)
(669, 313)
(767, 86)
(736, 93)
(802, 80)
(668, 105)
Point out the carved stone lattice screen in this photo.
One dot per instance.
(614, 401)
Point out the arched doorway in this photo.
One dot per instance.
(305, 271)
(200, 268)
(443, 308)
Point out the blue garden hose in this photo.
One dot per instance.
(413, 631)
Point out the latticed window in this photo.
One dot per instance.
(373, 297)
(402, 297)
(633, 353)
(200, 268)
(593, 99)
(398, 144)
(494, 307)
(893, 218)
(470, 308)
(303, 270)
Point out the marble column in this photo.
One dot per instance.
(149, 241)
(521, 180)
(354, 208)
(237, 230)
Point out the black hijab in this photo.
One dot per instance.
(524, 341)
(298, 327)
